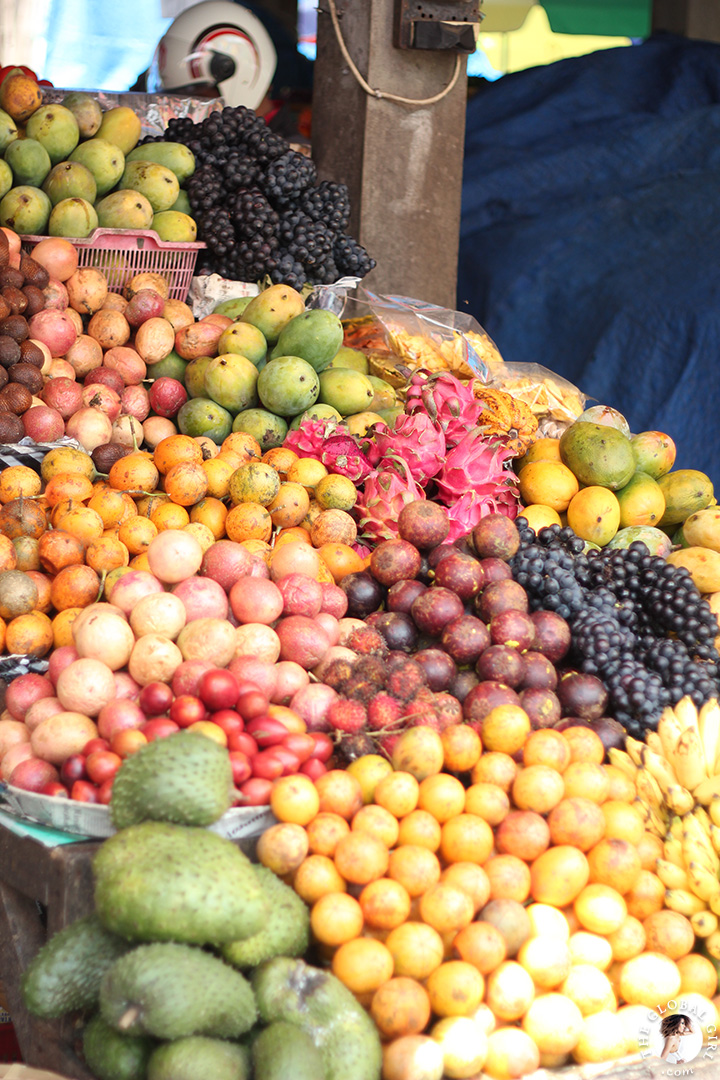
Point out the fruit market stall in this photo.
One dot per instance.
(370, 681)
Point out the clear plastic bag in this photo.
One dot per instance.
(554, 401)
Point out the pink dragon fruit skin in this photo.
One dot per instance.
(475, 480)
(341, 454)
(447, 401)
(309, 439)
(381, 500)
(417, 440)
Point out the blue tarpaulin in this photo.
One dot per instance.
(590, 234)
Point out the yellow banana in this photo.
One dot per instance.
(649, 791)
(714, 809)
(679, 799)
(672, 876)
(672, 849)
(709, 727)
(715, 837)
(623, 762)
(669, 731)
(703, 883)
(704, 923)
(712, 944)
(701, 815)
(688, 759)
(656, 821)
(697, 845)
(686, 712)
(683, 901)
(714, 904)
(675, 831)
(654, 742)
(635, 750)
(707, 789)
(660, 768)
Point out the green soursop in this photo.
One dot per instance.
(317, 1002)
(112, 1056)
(199, 1057)
(173, 991)
(66, 973)
(161, 882)
(186, 778)
(286, 931)
(285, 1052)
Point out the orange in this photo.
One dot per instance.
(558, 875)
(106, 554)
(281, 458)
(186, 483)
(616, 863)
(175, 449)
(62, 486)
(446, 908)
(74, 586)
(461, 747)
(360, 858)
(622, 788)
(336, 918)
(540, 517)
(623, 822)
(487, 801)
(548, 482)
(420, 828)
(340, 793)
(20, 480)
(140, 562)
(587, 948)
(482, 945)
(306, 471)
(289, 536)
(369, 769)
(442, 796)
(455, 988)
(586, 779)
(538, 788)
(202, 534)
(169, 515)
(324, 831)
(628, 940)
(62, 626)
(27, 553)
(466, 838)
(601, 909)
(248, 521)
(668, 932)
(217, 473)
(510, 1053)
(44, 587)
(509, 878)
(589, 988)
(56, 550)
(547, 747)
(649, 847)
(29, 635)
(336, 492)
(81, 522)
(505, 729)
(385, 904)
(510, 991)
(400, 1007)
(340, 559)
(698, 975)
(254, 482)
(211, 513)
(417, 949)
(379, 823)
(416, 868)
(584, 744)
(471, 879)
(146, 505)
(578, 822)
(289, 506)
(283, 847)
(495, 768)
(112, 506)
(135, 472)
(363, 965)
(541, 450)
(136, 534)
(315, 877)
(333, 527)
(295, 799)
(398, 792)
(239, 442)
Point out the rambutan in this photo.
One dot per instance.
(360, 689)
(367, 642)
(449, 709)
(387, 744)
(405, 679)
(338, 672)
(372, 668)
(384, 712)
(421, 711)
(347, 715)
(354, 747)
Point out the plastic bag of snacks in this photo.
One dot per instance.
(554, 401)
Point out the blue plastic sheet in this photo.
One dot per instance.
(590, 235)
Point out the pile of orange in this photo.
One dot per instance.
(508, 911)
(65, 528)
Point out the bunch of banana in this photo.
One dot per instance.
(677, 775)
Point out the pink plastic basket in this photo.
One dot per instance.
(122, 253)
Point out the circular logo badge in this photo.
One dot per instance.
(679, 1033)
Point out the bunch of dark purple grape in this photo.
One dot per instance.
(259, 206)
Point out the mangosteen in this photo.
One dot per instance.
(398, 629)
(582, 695)
(611, 732)
(495, 570)
(461, 573)
(439, 553)
(496, 537)
(449, 709)
(542, 706)
(465, 639)
(439, 668)
(498, 596)
(402, 595)
(538, 672)
(394, 560)
(364, 594)
(434, 609)
(514, 628)
(486, 696)
(463, 683)
(501, 663)
(552, 635)
(424, 523)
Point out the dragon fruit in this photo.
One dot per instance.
(381, 500)
(416, 439)
(447, 401)
(309, 438)
(476, 481)
(338, 450)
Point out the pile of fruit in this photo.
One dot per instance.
(231, 182)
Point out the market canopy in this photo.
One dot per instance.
(621, 18)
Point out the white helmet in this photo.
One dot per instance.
(216, 43)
